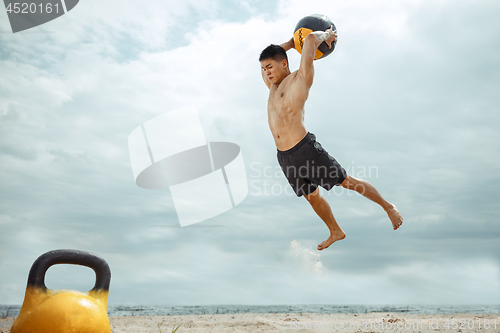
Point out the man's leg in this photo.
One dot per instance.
(366, 189)
(322, 208)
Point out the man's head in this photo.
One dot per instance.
(274, 62)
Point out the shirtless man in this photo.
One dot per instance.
(305, 163)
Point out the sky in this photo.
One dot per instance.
(408, 101)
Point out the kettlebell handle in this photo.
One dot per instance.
(36, 277)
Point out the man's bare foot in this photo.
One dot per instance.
(332, 239)
(395, 216)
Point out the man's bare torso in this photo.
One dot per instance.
(285, 110)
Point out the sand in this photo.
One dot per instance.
(307, 322)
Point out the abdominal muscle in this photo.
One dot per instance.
(287, 129)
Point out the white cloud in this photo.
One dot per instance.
(404, 95)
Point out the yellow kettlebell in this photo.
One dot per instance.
(65, 311)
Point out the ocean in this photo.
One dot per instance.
(163, 310)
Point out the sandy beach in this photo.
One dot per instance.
(306, 322)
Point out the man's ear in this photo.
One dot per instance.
(285, 63)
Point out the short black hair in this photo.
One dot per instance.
(274, 52)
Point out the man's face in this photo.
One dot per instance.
(274, 70)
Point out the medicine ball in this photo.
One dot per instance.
(309, 24)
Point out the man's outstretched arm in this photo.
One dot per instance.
(311, 43)
(288, 45)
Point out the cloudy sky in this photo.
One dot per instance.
(408, 100)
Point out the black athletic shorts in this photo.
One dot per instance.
(307, 165)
